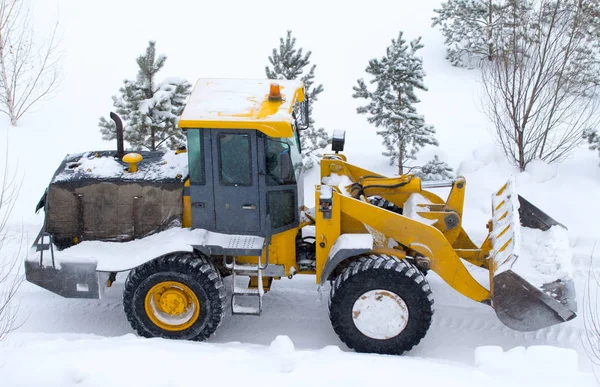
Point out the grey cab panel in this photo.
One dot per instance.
(239, 179)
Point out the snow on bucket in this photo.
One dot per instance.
(531, 271)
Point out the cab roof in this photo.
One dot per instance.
(242, 104)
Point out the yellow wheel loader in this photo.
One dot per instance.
(230, 203)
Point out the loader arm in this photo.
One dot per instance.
(422, 238)
(448, 214)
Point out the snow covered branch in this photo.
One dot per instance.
(150, 109)
(10, 276)
(29, 72)
(536, 92)
(288, 62)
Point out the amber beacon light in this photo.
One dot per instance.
(275, 93)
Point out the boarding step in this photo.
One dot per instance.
(246, 301)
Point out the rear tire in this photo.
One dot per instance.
(177, 296)
(380, 304)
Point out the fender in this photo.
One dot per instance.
(346, 246)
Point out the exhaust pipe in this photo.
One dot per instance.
(119, 125)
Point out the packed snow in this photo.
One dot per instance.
(243, 99)
(121, 256)
(90, 165)
(340, 181)
(352, 241)
(94, 361)
(540, 257)
(170, 166)
(65, 342)
(417, 203)
(544, 256)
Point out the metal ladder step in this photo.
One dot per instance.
(246, 293)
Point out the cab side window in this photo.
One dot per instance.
(234, 159)
(196, 156)
(279, 168)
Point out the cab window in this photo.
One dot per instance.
(195, 156)
(234, 159)
(279, 165)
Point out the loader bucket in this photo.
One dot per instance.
(530, 268)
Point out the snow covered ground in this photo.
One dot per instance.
(89, 342)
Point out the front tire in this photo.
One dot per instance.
(178, 296)
(380, 304)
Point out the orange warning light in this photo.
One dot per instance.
(275, 93)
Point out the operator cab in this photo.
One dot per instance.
(244, 152)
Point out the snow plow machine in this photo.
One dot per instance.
(230, 204)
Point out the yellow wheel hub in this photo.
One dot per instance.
(172, 306)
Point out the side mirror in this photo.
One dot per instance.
(338, 140)
(305, 114)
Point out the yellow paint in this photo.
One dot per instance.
(171, 299)
(419, 237)
(327, 231)
(282, 251)
(132, 159)
(270, 128)
(443, 245)
(261, 119)
(186, 220)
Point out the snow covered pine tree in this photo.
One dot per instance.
(591, 135)
(150, 110)
(289, 63)
(435, 169)
(390, 106)
(471, 29)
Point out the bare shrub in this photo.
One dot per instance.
(537, 93)
(29, 71)
(10, 271)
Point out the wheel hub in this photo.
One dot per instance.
(173, 302)
(172, 306)
(380, 314)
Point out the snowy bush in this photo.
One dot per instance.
(287, 62)
(435, 169)
(150, 109)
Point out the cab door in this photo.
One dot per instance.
(235, 181)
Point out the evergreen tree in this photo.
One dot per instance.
(435, 169)
(150, 110)
(475, 30)
(593, 139)
(471, 29)
(290, 63)
(391, 105)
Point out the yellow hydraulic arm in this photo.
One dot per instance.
(443, 244)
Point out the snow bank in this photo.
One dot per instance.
(541, 364)
(132, 361)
